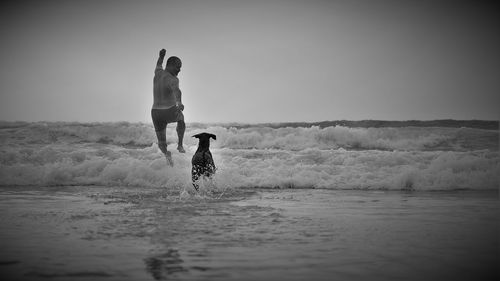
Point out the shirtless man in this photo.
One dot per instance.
(167, 102)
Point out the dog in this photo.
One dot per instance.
(202, 162)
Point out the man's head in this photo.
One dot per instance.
(174, 65)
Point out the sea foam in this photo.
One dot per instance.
(125, 154)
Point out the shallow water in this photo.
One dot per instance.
(104, 233)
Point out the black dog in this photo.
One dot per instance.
(203, 164)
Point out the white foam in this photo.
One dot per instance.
(333, 158)
(142, 135)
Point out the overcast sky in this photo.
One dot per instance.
(251, 61)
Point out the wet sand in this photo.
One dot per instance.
(122, 233)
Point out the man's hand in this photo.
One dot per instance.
(162, 52)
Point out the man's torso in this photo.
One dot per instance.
(164, 86)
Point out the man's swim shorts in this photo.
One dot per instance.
(161, 117)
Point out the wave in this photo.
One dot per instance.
(311, 168)
(125, 154)
(119, 133)
(257, 137)
(410, 138)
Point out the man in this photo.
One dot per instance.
(167, 102)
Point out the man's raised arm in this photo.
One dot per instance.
(159, 63)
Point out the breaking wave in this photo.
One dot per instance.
(336, 157)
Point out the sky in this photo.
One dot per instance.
(251, 61)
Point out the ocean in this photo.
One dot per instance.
(340, 200)
(334, 157)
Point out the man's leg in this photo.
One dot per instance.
(162, 144)
(162, 140)
(181, 128)
(161, 130)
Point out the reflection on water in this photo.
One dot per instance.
(170, 264)
(160, 266)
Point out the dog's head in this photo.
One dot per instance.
(204, 139)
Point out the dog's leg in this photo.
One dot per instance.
(195, 176)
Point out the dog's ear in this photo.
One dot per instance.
(205, 135)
